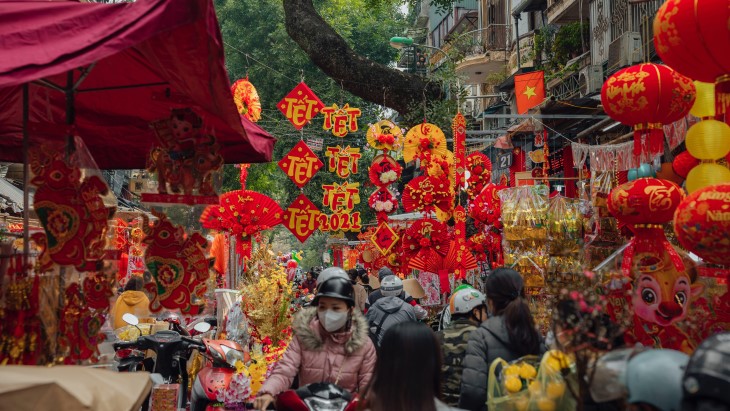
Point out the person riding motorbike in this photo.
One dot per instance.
(330, 344)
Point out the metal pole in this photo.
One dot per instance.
(26, 177)
(517, 37)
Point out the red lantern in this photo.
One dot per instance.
(647, 96)
(693, 37)
(703, 225)
(645, 201)
(683, 163)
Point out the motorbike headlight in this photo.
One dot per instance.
(233, 356)
(217, 357)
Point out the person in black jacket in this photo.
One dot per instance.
(509, 334)
(421, 313)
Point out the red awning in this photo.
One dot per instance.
(134, 62)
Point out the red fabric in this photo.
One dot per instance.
(176, 44)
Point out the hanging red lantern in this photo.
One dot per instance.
(645, 201)
(647, 96)
(702, 223)
(683, 163)
(693, 37)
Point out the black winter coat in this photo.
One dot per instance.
(487, 343)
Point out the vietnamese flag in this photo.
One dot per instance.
(529, 90)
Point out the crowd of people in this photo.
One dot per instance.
(373, 344)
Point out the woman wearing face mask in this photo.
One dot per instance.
(330, 344)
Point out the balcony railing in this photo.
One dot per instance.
(494, 37)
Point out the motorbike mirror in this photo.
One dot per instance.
(202, 327)
(130, 319)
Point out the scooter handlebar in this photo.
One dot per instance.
(193, 342)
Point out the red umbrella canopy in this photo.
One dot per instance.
(131, 63)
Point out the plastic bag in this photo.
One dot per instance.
(530, 384)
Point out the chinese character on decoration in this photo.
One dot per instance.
(301, 218)
(300, 106)
(300, 164)
(341, 197)
(343, 161)
(384, 238)
(340, 120)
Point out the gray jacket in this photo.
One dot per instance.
(385, 313)
(487, 343)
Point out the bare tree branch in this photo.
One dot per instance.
(360, 76)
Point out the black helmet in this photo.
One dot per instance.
(335, 287)
(708, 372)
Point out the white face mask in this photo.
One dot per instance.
(332, 320)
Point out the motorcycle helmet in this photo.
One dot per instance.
(465, 300)
(654, 377)
(335, 287)
(391, 286)
(708, 372)
(609, 376)
(330, 272)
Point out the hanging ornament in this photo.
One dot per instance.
(301, 218)
(300, 164)
(708, 140)
(459, 259)
(683, 163)
(80, 328)
(383, 202)
(340, 120)
(702, 223)
(480, 173)
(424, 141)
(300, 106)
(693, 37)
(244, 214)
(423, 237)
(485, 208)
(647, 96)
(705, 175)
(385, 135)
(247, 99)
(177, 263)
(98, 290)
(428, 194)
(704, 106)
(384, 170)
(343, 160)
(70, 208)
(384, 238)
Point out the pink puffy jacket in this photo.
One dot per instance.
(320, 356)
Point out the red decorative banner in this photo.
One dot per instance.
(300, 164)
(300, 106)
(343, 161)
(302, 218)
(384, 238)
(459, 129)
(340, 120)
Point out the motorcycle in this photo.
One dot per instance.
(172, 352)
(216, 376)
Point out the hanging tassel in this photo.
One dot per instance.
(638, 132)
(656, 139)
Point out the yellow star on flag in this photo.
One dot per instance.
(529, 92)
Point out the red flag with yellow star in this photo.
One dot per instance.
(529, 90)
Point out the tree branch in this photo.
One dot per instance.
(360, 76)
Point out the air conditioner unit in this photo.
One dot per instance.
(590, 80)
(624, 51)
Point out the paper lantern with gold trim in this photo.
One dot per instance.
(647, 96)
(708, 140)
(693, 37)
(702, 223)
(645, 201)
(707, 174)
